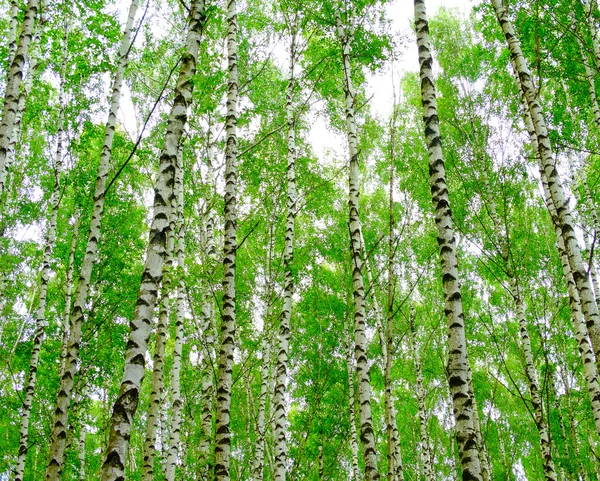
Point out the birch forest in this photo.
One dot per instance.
(299, 240)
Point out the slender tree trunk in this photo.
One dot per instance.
(158, 384)
(61, 410)
(581, 332)
(13, 84)
(125, 405)
(351, 405)
(425, 454)
(223, 432)
(589, 6)
(208, 319)
(549, 171)
(395, 469)
(12, 31)
(259, 455)
(69, 293)
(175, 434)
(40, 321)
(281, 370)
(367, 437)
(458, 363)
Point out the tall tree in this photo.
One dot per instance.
(125, 406)
(458, 361)
(65, 392)
(13, 84)
(227, 336)
(344, 35)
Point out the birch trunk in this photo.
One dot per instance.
(175, 434)
(458, 363)
(581, 334)
(40, 320)
(549, 171)
(395, 469)
(13, 84)
(69, 293)
(12, 31)
(259, 455)
(367, 437)
(586, 351)
(125, 405)
(351, 405)
(281, 376)
(425, 454)
(158, 383)
(61, 410)
(25, 89)
(208, 316)
(588, 6)
(223, 401)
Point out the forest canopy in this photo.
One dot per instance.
(299, 240)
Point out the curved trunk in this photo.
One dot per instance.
(125, 405)
(40, 319)
(360, 342)
(175, 434)
(548, 170)
(63, 400)
(458, 363)
(425, 454)
(13, 84)
(223, 432)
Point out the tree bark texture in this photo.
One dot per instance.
(61, 410)
(344, 34)
(223, 401)
(125, 406)
(458, 362)
(549, 171)
(13, 84)
(40, 318)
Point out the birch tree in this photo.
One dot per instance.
(125, 406)
(458, 362)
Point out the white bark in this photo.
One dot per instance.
(40, 320)
(351, 405)
(125, 405)
(175, 434)
(13, 84)
(157, 388)
(223, 401)
(281, 370)
(208, 320)
(344, 35)
(422, 413)
(458, 363)
(12, 31)
(69, 293)
(549, 172)
(259, 454)
(61, 410)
